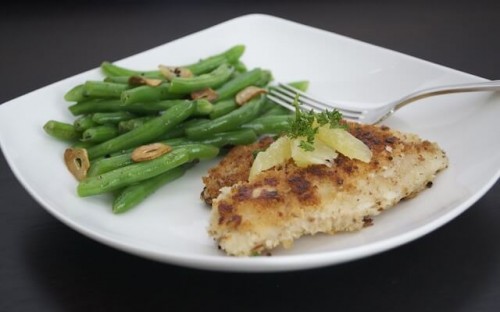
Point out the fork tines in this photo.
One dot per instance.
(284, 95)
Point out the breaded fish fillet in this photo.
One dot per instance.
(283, 203)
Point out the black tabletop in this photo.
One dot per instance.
(47, 266)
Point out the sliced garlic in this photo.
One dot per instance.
(247, 94)
(150, 151)
(77, 162)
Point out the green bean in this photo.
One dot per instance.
(230, 56)
(145, 133)
(84, 122)
(112, 70)
(173, 133)
(147, 94)
(127, 125)
(227, 122)
(270, 124)
(179, 131)
(99, 105)
(128, 175)
(80, 144)
(132, 195)
(102, 89)
(203, 106)
(220, 139)
(203, 66)
(103, 165)
(100, 133)
(176, 132)
(61, 130)
(265, 77)
(222, 108)
(118, 79)
(95, 106)
(76, 94)
(277, 110)
(240, 67)
(211, 80)
(111, 117)
(231, 138)
(302, 85)
(109, 161)
(233, 86)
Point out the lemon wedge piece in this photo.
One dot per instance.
(277, 153)
(328, 141)
(321, 155)
(344, 143)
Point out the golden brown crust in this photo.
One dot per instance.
(285, 202)
(233, 168)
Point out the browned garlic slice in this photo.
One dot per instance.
(248, 93)
(140, 80)
(150, 151)
(207, 94)
(77, 162)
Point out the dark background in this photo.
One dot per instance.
(46, 266)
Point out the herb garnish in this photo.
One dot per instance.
(307, 124)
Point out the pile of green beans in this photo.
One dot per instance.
(129, 108)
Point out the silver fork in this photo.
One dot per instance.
(284, 95)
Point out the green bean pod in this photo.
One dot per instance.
(211, 80)
(203, 106)
(61, 130)
(220, 139)
(127, 125)
(203, 66)
(270, 124)
(144, 94)
(302, 85)
(227, 122)
(112, 117)
(80, 144)
(102, 89)
(233, 86)
(118, 79)
(112, 70)
(180, 130)
(134, 194)
(128, 175)
(95, 106)
(145, 133)
(240, 67)
(222, 108)
(84, 122)
(265, 77)
(277, 110)
(76, 94)
(99, 105)
(208, 64)
(103, 165)
(100, 133)
(123, 158)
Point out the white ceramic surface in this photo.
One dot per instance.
(171, 225)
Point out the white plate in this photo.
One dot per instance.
(171, 225)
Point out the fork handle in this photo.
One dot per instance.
(493, 85)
